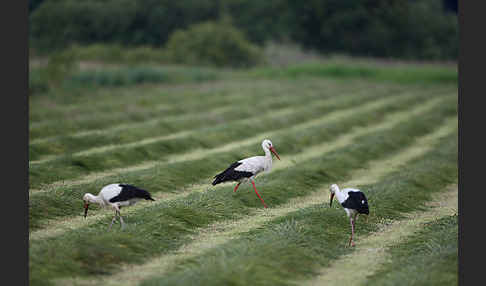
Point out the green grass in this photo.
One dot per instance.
(402, 75)
(428, 257)
(70, 167)
(137, 105)
(295, 246)
(170, 177)
(162, 124)
(168, 225)
(109, 53)
(300, 108)
(138, 75)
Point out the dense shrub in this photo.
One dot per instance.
(60, 66)
(383, 28)
(425, 29)
(60, 23)
(116, 53)
(211, 43)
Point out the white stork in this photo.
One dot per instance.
(247, 169)
(353, 201)
(116, 196)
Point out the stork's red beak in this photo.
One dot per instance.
(274, 152)
(86, 205)
(330, 200)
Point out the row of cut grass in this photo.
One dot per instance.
(115, 103)
(165, 226)
(220, 233)
(403, 74)
(71, 167)
(173, 182)
(171, 176)
(390, 234)
(429, 257)
(161, 126)
(294, 247)
(64, 104)
(137, 110)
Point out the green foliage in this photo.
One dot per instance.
(34, 4)
(37, 82)
(213, 43)
(116, 53)
(404, 29)
(60, 23)
(383, 28)
(59, 67)
(260, 20)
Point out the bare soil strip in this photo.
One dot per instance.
(59, 226)
(222, 232)
(371, 251)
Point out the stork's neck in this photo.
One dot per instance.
(341, 196)
(95, 199)
(268, 160)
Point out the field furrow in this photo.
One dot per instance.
(220, 233)
(187, 111)
(55, 227)
(69, 168)
(291, 249)
(168, 225)
(135, 134)
(376, 244)
(174, 175)
(137, 108)
(115, 99)
(388, 128)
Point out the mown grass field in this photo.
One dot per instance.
(390, 130)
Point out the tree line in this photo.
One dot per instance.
(409, 29)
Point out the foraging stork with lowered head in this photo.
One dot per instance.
(116, 196)
(247, 169)
(353, 201)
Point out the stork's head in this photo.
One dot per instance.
(333, 189)
(267, 145)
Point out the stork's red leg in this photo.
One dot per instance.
(236, 187)
(351, 243)
(253, 183)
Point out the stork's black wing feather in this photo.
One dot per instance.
(357, 201)
(130, 192)
(231, 175)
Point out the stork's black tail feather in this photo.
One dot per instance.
(219, 178)
(130, 192)
(231, 175)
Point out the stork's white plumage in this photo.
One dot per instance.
(247, 169)
(353, 201)
(116, 196)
